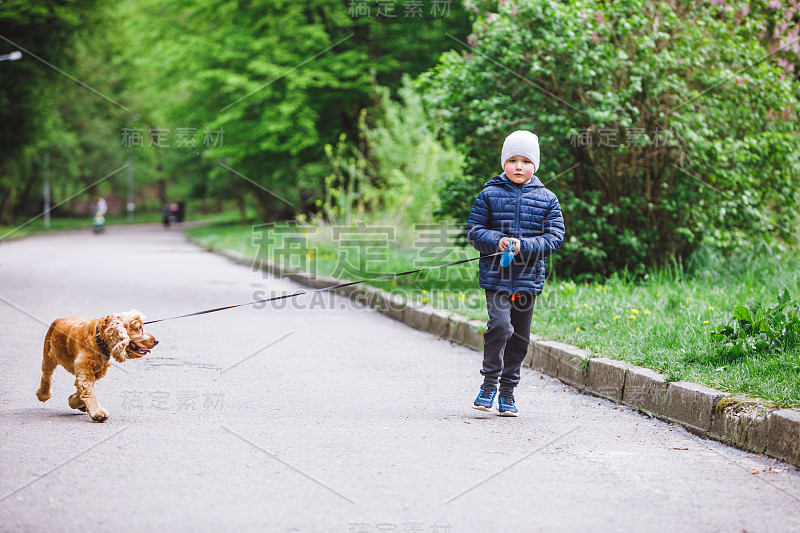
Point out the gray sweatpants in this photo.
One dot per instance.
(505, 342)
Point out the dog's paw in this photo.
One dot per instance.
(43, 395)
(99, 416)
(76, 403)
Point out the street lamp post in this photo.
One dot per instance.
(131, 204)
(47, 189)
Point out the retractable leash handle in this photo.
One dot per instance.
(508, 255)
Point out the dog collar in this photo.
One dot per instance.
(102, 344)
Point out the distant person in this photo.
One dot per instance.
(99, 223)
(170, 214)
(100, 205)
(100, 208)
(181, 211)
(513, 209)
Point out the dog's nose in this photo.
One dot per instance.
(155, 341)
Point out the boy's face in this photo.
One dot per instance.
(519, 169)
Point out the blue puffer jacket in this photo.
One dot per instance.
(528, 212)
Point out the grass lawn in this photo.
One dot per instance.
(663, 322)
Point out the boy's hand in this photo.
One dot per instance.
(505, 241)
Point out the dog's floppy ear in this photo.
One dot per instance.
(131, 315)
(116, 336)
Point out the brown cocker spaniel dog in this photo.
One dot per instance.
(85, 347)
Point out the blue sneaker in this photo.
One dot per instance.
(485, 399)
(506, 406)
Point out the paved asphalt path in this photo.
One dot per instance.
(320, 416)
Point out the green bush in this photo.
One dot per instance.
(663, 125)
(407, 157)
(395, 171)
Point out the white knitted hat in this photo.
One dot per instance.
(524, 143)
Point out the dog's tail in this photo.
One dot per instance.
(46, 347)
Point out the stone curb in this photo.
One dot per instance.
(606, 378)
(741, 422)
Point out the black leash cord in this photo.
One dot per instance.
(332, 287)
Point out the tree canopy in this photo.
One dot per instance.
(224, 99)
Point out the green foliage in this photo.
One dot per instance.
(280, 79)
(755, 329)
(283, 79)
(395, 170)
(774, 24)
(27, 86)
(346, 187)
(662, 125)
(29, 90)
(408, 163)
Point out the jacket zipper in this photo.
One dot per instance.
(516, 236)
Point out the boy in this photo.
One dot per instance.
(513, 208)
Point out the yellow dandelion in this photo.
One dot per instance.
(710, 307)
(705, 321)
(647, 312)
(616, 317)
(591, 314)
(585, 306)
(424, 292)
(424, 300)
(578, 328)
(635, 311)
(632, 317)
